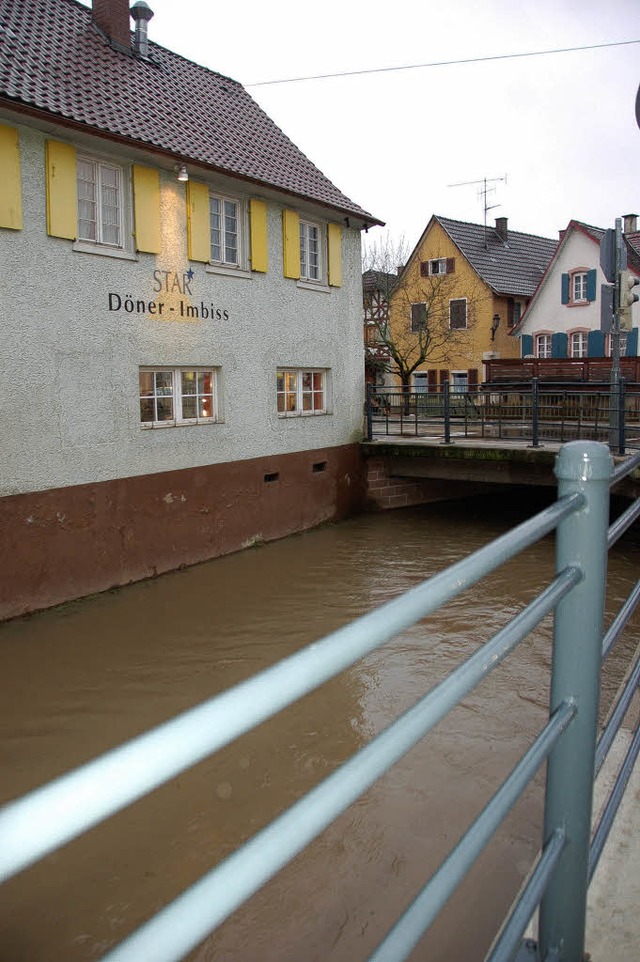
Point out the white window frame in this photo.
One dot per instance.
(307, 274)
(538, 341)
(459, 382)
(293, 392)
(100, 243)
(177, 396)
(579, 344)
(223, 263)
(437, 266)
(578, 287)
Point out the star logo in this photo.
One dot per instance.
(190, 274)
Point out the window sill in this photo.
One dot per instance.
(578, 303)
(303, 414)
(227, 271)
(85, 248)
(313, 286)
(162, 425)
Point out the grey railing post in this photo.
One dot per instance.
(581, 466)
(447, 412)
(621, 416)
(369, 412)
(534, 412)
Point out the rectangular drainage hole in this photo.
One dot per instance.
(319, 466)
(271, 477)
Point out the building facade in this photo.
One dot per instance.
(181, 302)
(565, 318)
(461, 293)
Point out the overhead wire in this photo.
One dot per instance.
(441, 63)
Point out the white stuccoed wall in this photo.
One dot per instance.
(549, 313)
(70, 366)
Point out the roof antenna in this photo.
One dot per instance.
(483, 192)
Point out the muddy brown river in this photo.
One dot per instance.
(82, 678)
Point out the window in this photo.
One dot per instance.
(543, 345)
(225, 227)
(579, 286)
(578, 344)
(437, 266)
(458, 313)
(514, 312)
(101, 202)
(171, 396)
(418, 317)
(310, 252)
(420, 382)
(459, 382)
(301, 392)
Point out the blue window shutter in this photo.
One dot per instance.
(526, 344)
(595, 344)
(558, 344)
(565, 288)
(632, 342)
(591, 285)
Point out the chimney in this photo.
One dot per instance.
(142, 14)
(112, 17)
(630, 222)
(501, 228)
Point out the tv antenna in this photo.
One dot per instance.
(483, 191)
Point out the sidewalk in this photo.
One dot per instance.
(613, 903)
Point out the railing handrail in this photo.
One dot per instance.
(526, 411)
(50, 816)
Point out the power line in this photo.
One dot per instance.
(441, 63)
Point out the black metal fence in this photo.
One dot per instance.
(534, 413)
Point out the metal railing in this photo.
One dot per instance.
(532, 413)
(52, 815)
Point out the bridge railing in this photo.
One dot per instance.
(531, 413)
(55, 813)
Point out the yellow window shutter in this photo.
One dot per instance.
(11, 194)
(198, 233)
(334, 245)
(291, 243)
(146, 206)
(259, 250)
(62, 190)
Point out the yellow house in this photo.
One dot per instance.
(462, 291)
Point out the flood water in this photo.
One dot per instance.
(82, 678)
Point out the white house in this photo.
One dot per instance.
(564, 316)
(181, 305)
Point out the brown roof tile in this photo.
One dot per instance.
(53, 58)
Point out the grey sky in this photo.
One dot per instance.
(561, 127)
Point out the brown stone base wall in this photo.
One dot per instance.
(384, 490)
(69, 542)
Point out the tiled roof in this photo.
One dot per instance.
(54, 59)
(513, 267)
(378, 281)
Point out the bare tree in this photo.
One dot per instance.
(429, 316)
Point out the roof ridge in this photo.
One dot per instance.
(512, 230)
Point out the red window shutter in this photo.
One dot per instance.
(424, 268)
(472, 379)
(444, 376)
(451, 265)
(432, 380)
